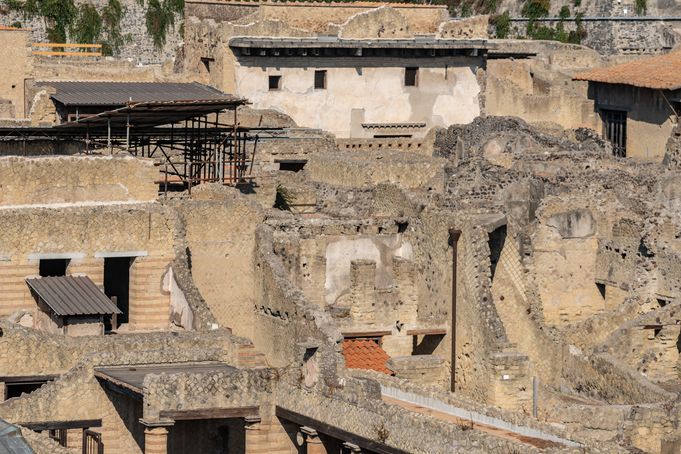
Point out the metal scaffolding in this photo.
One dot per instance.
(193, 142)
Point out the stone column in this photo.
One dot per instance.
(155, 440)
(3, 390)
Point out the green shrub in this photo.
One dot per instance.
(641, 7)
(564, 12)
(502, 25)
(534, 9)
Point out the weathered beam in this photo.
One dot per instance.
(27, 378)
(350, 334)
(337, 433)
(427, 332)
(209, 413)
(75, 424)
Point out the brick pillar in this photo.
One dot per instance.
(256, 437)
(314, 445)
(155, 440)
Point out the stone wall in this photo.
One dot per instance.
(73, 180)
(356, 169)
(220, 233)
(139, 45)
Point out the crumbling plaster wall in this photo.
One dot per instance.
(565, 249)
(284, 319)
(442, 84)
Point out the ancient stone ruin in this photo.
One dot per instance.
(333, 228)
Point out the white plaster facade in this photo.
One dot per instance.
(447, 92)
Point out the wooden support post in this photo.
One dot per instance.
(453, 242)
(108, 135)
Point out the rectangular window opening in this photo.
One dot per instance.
(615, 130)
(320, 80)
(411, 77)
(53, 267)
(275, 83)
(292, 166)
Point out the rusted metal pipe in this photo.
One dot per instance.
(453, 242)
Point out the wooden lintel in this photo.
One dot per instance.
(336, 432)
(120, 389)
(27, 378)
(351, 334)
(209, 413)
(427, 332)
(76, 424)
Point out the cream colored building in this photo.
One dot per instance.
(362, 88)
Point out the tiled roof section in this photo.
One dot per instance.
(72, 295)
(365, 354)
(122, 93)
(662, 72)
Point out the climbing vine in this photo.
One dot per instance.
(85, 23)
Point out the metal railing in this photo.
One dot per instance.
(65, 53)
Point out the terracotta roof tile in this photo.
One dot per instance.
(365, 354)
(662, 72)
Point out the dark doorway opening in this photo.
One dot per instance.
(117, 284)
(53, 267)
(496, 242)
(615, 130)
(601, 289)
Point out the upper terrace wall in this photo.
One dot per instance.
(50, 180)
(315, 17)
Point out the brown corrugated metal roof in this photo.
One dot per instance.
(72, 295)
(662, 72)
(122, 93)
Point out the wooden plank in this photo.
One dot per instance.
(336, 432)
(27, 378)
(351, 334)
(76, 424)
(209, 413)
(67, 54)
(72, 45)
(427, 332)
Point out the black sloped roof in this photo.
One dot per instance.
(72, 295)
(73, 93)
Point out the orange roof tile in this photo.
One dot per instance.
(365, 354)
(662, 72)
